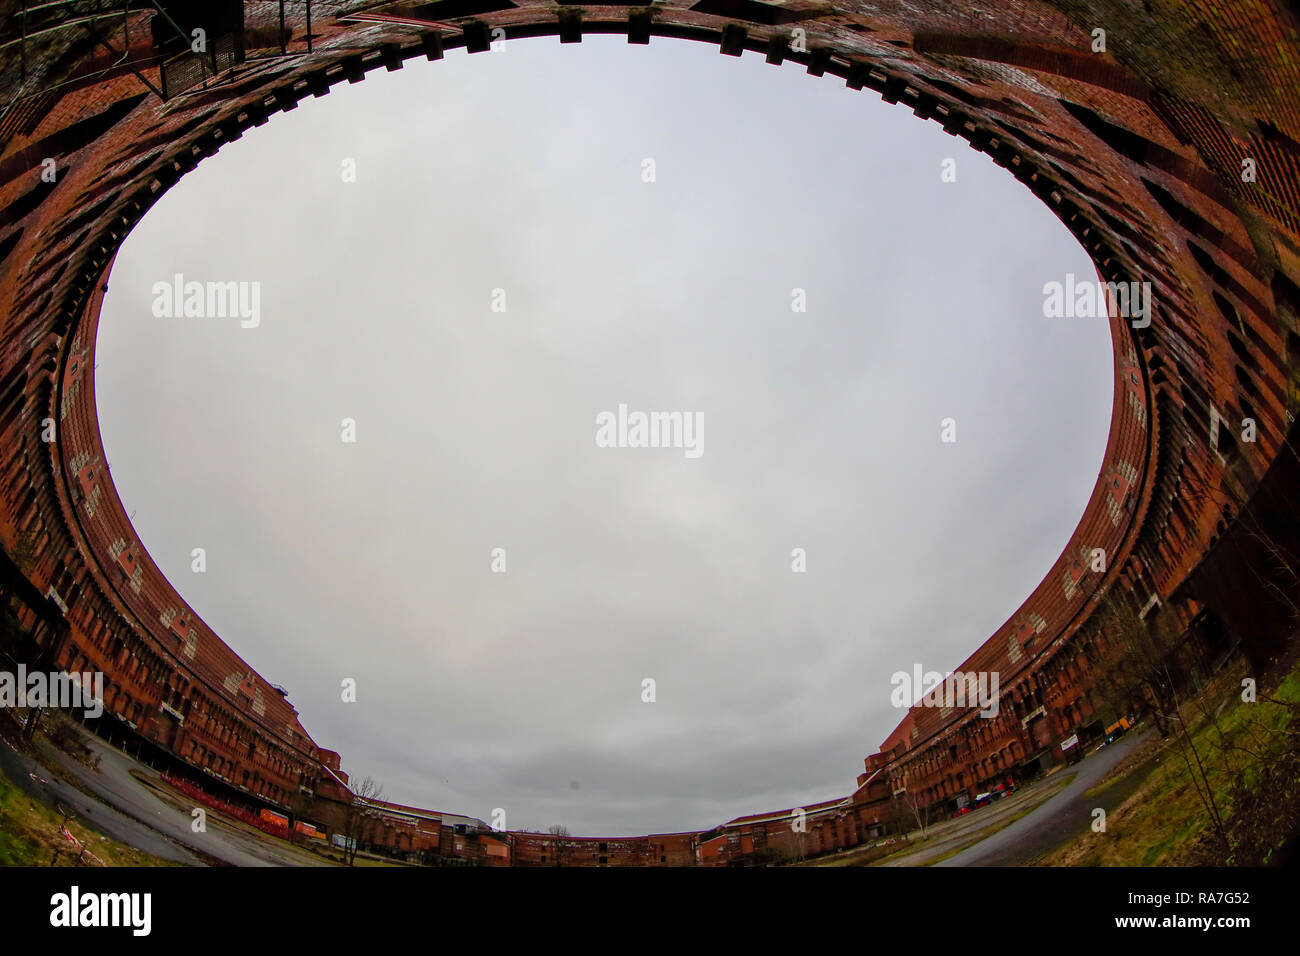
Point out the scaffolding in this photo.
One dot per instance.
(193, 46)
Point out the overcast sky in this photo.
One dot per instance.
(523, 171)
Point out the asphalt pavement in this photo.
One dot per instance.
(136, 814)
(1058, 819)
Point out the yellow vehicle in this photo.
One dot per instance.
(1117, 728)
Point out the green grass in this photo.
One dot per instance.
(1166, 818)
(30, 836)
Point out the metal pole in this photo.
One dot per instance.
(138, 75)
(185, 37)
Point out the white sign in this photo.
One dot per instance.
(1069, 741)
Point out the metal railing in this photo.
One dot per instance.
(178, 73)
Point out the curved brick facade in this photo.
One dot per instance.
(1140, 150)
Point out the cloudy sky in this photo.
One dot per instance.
(523, 171)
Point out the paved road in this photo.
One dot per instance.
(949, 836)
(1059, 819)
(52, 792)
(135, 814)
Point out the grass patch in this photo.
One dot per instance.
(1249, 761)
(31, 835)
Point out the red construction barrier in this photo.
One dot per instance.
(266, 821)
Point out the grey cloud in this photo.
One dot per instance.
(522, 171)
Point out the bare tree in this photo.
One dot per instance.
(899, 820)
(359, 817)
(1134, 675)
(559, 840)
(1141, 671)
(1279, 571)
(911, 808)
